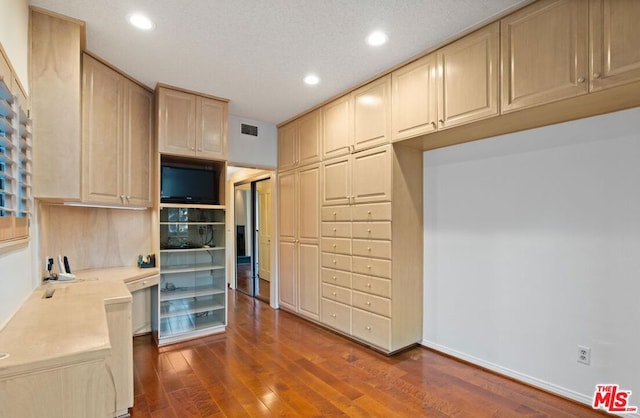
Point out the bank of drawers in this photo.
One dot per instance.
(356, 271)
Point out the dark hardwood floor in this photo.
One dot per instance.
(271, 363)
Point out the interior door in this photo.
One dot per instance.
(263, 190)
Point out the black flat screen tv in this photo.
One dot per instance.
(189, 185)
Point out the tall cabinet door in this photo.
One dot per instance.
(287, 146)
(337, 130)
(372, 175)
(102, 116)
(211, 132)
(309, 241)
(310, 138)
(614, 42)
(414, 99)
(372, 114)
(468, 78)
(544, 53)
(138, 145)
(176, 122)
(287, 242)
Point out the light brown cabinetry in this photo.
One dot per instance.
(614, 42)
(544, 51)
(337, 127)
(117, 137)
(191, 125)
(457, 84)
(372, 247)
(299, 142)
(54, 82)
(372, 114)
(299, 240)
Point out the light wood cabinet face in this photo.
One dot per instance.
(337, 181)
(177, 120)
(102, 151)
(310, 138)
(138, 144)
(212, 127)
(544, 53)
(468, 78)
(287, 205)
(614, 43)
(309, 203)
(414, 99)
(372, 175)
(337, 132)
(372, 113)
(287, 268)
(287, 139)
(309, 279)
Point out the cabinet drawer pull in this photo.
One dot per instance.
(334, 261)
(441, 121)
(596, 75)
(334, 213)
(580, 79)
(368, 212)
(368, 328)
(333, 245)
(333, 277)
(333, 315)
(368, 284)
(368, 229)
(368, 303)
(334, 230)
(334, 293)
(144, 282)
(434, 125)
(369, 267)
(368, 248)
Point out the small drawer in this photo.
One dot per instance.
(368, 248)
(371, 267)
(336, 315)
(336, 229)
(336, 213)
(336, 277)
(372, 212)
(336, 261)
(371, 230)
(372, 328)
(336, 293)
(373, 285)
(143, 283)
(375, 304)
(336, 245)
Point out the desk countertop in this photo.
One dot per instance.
(68, 328)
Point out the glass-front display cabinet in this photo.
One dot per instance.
(191, 297)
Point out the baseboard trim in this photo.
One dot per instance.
(521, 377)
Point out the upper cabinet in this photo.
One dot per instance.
(372, 114)
(614, 42)
(337, 127)
(54, 82)
(468, 78)
(117, 151)
(457, 84)
(544, 53)
(191, 125)
(299, 142)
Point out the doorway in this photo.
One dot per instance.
(252, 208)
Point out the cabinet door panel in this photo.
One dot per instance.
(287, 205)
(414, 99)
(287, 139)
(102, 114)
(372, 175)
(544, 53)
(287, 269)
(614, 43)
(309, 279)
(309, 203)
(176, 122)
(337, 131)
(468, 78)
(211, 132)
(372, 328)
(336, 188)
(138, 143)
(372, 113)
(310, 138)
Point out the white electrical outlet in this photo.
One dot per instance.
(584, 355)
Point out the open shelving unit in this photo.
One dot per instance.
(191, 297)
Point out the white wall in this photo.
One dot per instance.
(532, 246)
(251, 151)
(16, 266)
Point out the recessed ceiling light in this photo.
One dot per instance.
(312, 79)
(377, 38)
(141, 21)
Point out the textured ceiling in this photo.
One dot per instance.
(256, 53)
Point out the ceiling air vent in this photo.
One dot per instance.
(249, 129)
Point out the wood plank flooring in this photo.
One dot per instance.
(271, 363)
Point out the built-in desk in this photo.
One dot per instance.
(71, 355)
